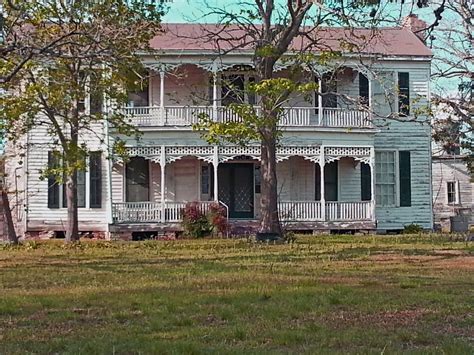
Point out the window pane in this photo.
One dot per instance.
(137, 180)
(385, 178)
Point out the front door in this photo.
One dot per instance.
(236, 189)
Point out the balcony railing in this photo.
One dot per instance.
(289, 211)
(155, 116)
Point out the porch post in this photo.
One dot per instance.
(162, 95)
(323, 197)
(370, 99)
(215, 164)
(214, 91)
(320, 101)
(372, 180)
(162, 183)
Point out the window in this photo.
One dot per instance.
(330, 182)
(329, 88)
(365, 182)
(251, 97)
(452, 192)
(258, 179)
(404, 168)
(205, 179)
(138, 93)
(96, 95)
(81, 190)
(57, 190)
(363, 89)
(53, 186)
(95, 180)
(232, 90)
(404, 93)
(137, 180)
(385, 178)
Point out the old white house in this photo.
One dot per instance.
(341, 166)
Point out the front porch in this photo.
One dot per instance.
(320, 187)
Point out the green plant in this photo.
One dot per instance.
(412, 229)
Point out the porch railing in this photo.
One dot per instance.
(349, 211)
(292, 116)
(144, 212)
(289, 211)
(300, 211)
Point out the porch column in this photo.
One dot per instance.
(215, 164)
(162, 183)
(369, 78)
(162, 95)
(320, 101)
(372, 181)
(214, 91)
(323, 197)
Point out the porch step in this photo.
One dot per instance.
(243, 227)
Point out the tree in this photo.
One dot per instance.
(284, 32)
(96, 45)
(451, 37)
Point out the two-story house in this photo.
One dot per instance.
(339, 167)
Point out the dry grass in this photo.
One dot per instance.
(342, 294)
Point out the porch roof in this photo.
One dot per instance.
(386, 41)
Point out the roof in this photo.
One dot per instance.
(387, 41)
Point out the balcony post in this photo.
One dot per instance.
(214, 91)
(372, 181)
(370, 100)
(215, 164)
(162, 95)
(323, 197)
(162, 183)
(320, 101)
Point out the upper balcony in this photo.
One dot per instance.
(176, 98)
(186, 116)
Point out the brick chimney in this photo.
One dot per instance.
(417, 26)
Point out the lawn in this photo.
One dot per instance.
(345, 294)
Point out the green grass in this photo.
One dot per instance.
(344, 294)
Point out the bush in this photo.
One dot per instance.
(195, 223)
(217, 218)
(412, 229)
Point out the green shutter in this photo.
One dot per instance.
(365, 183)
(95, 180)
(53, 186)
(405, 178)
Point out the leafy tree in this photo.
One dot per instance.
(270, 29)
(63, 54)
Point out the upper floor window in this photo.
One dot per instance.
(363, 89)
(138, 91)
(404, 93)
(452, 192)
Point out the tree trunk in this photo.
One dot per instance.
(72, 227)
(12, 237)
(269, 221)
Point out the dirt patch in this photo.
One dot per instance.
(385, 319)
(442, 259)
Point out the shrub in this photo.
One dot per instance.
(217, 218)
(412, 229)
(195, 223)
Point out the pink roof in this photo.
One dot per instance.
(390, 41)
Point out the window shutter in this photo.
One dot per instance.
(405, 178)
(317, 182)
(365, 183)
(364, 89)
(95, 180)
(53, 186)
(404, 93)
